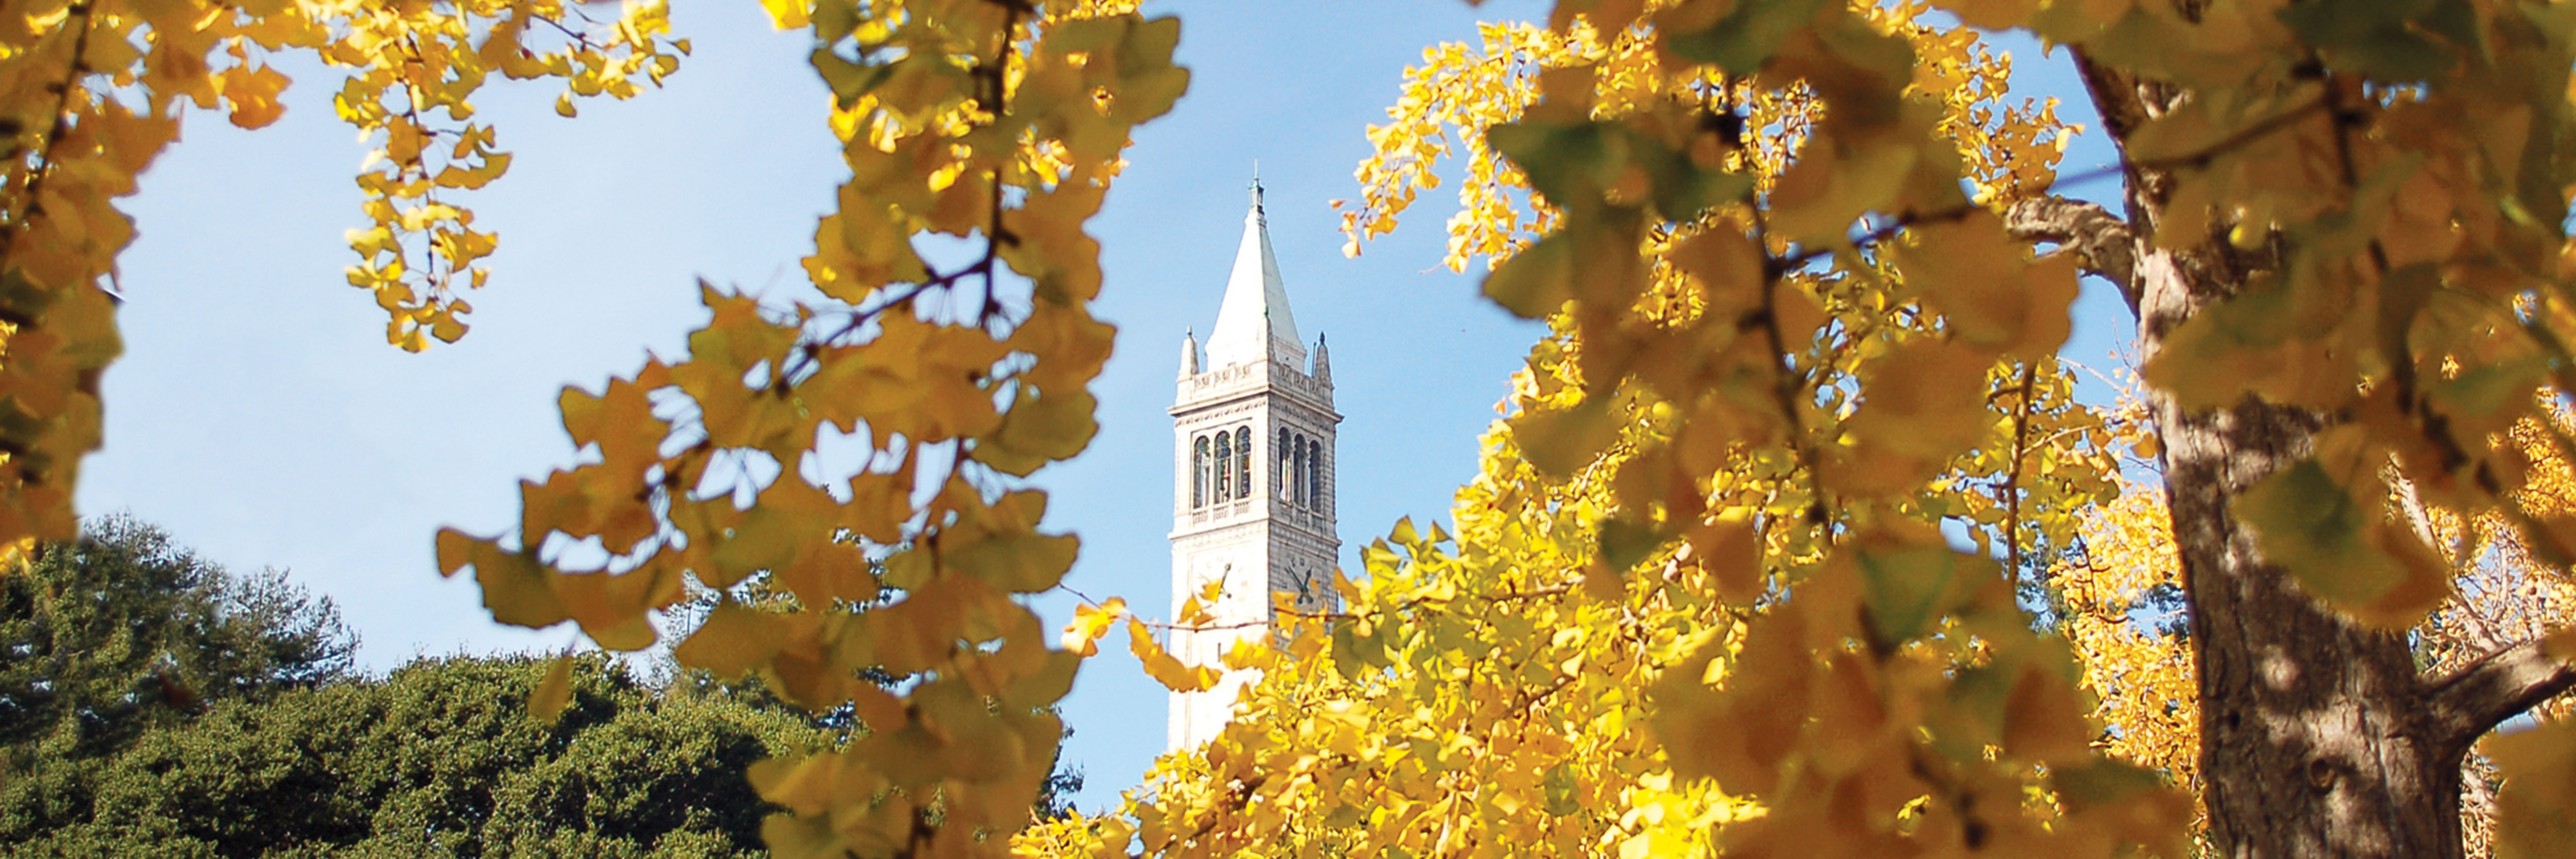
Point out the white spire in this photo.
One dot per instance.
(1254, 323)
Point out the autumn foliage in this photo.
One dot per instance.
(1748, 568)
(1729, 582)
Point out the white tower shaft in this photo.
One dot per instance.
(1252, 505)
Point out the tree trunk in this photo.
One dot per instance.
(2313, 742)
(2310, 745)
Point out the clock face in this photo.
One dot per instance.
(1306, 592)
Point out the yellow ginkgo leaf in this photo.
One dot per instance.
(553, 692)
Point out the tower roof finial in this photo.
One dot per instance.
(1256, 185)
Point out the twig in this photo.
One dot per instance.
(1787, 381)
(2012, 477)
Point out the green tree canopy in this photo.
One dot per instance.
(440, 758)
(123, 632)
(156, 704)
(107, 634)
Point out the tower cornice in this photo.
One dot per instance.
(1227, 384)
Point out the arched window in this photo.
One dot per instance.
(1199, 472)
(1315, 474)
(1297, 470)
(1243, 462)
(1224, 467)
(1280, 475)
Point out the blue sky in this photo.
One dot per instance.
(259, 416)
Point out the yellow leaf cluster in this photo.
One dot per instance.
(2135, 661)
(1469, 700)
(992, 122)
(96, 89)
(414, 71)
(1700, 600)
(1791, 263)
(998, 121)
(1459, 91)
(1728, 580)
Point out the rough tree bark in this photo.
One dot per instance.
(2318, 736)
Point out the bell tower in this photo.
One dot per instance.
(1253, 504)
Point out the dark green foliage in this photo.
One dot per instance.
(153, 705)
(1055, 797)
(2161, 610)
(105, 637)
(440, 759)
(2034, 588)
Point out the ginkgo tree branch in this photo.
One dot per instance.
(1788, 381)
(2102, 241)
(578, 37)
(2011, 490)
(992, 89)
(2467, 703)
(2099, 240)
